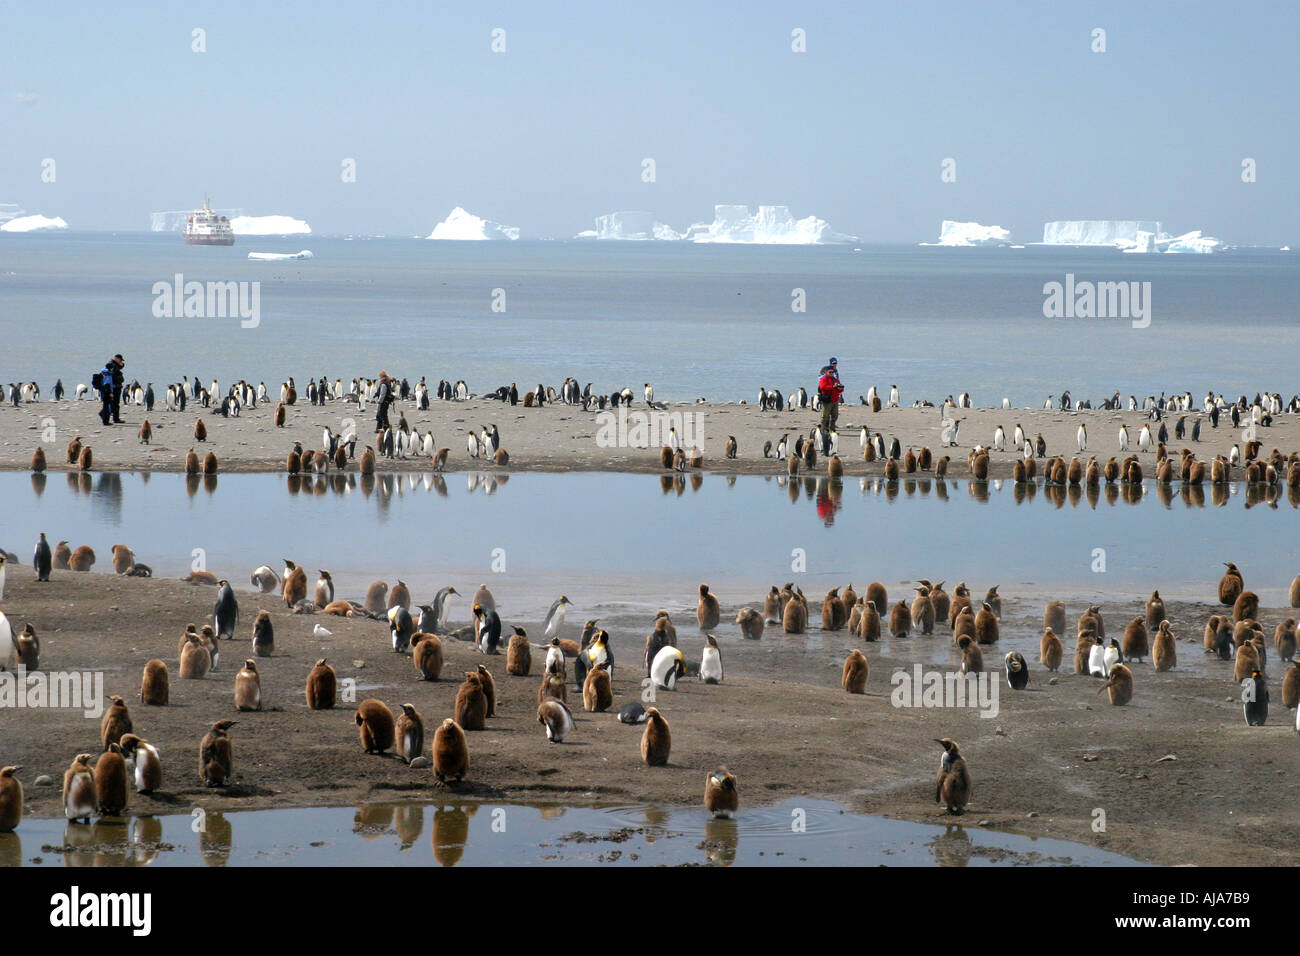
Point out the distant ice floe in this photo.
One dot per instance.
(770, 225)
(280, 256)
(269, 226)
(1127, 235)
(953, 233)
(32, 224)
(465, 226)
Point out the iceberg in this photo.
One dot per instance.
(1097, 232)
(771, 225)
(33, 224)
(280, 256)
(1194, 242)
(269, 226)
(630, 225)
(952, 233)
(461, 225)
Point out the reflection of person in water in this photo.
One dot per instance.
(826, 504)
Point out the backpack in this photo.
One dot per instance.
(97, 381)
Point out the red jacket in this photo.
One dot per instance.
(830, 388)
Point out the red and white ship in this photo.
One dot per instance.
(206, 228)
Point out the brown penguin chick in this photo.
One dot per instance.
(941, 467)
(1284, 639)
(339, 609)
(74, 450)
(399, 595)
(519, 654)
(721, 798)
(972, 658)
(115, 722)
(707, 612)
(655, 641)
(1054, 616)
(657, 740)
(663, 620)
(426, 655)
(210, 463)
(248, 687)
(925, 459)
(145, 435)
(855, 615)
(792, 465)
(940, 601)
(909, 462)
(281, 415)
(1050, 651)
(833, 615)
(751, 623)
(835, 467)
(994, 601)
(795, 618)
(869, 623)
(11, 800)
(38, 459)
(665, 457)
(322, 685)
(1243, 631)
(502, 457)
(849, 599)
(1257, 642)
(1230, 585)
(79, 789)
(1083, 649)
(341, 458)
(1134, 644)
(471, 703)
(1119, 686)
(1245, 606)
(1293, 596)
(900, 620)
(209, 641)
(202, 577)
(292, 464)
(148, 768)
(597, 695)
(377, 597)
(26, 649)
(1291, 687)
(367, 464)
(960, 599)
(1164, 653)
(1246, 662)
(83, 559)
(1091, 620)
(891, 469)
(772, 605)
(1211, 632)
(986, 625)
(553, 686)
(200, 430)
(295, 586)
(952, 788)
(263, 635)
(964, 625)
(123, 558)
(450, 752)
(489, 690)
(410, 733)
(856, 671)
(440, 459)
(217, 755)
(154, 690)
(86, 459)
(923, 611)
(111, 786)
(377, 726)
(876, 595)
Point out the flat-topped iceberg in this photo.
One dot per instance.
(269, 226)
(1097, 232)
(280, 256)
(1194, 241)
(632, 225)
(953, 233)
(33, 224)
(465, 226)
(772, 225)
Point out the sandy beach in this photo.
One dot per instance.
(565, 438)
(1180, 777)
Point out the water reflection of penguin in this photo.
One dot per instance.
(216, 839)
(450, 835)
(721, 836)
(952, 847)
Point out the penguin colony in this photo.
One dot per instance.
(100, 781)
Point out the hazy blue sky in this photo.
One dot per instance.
(552, 132)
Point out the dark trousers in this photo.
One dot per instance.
(117, 404)
(381, 419)
(106, 411)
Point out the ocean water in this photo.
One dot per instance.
(698, 321)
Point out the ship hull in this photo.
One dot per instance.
(210, 240)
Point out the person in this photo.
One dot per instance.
(383, 398)
(119, 380)
(830, 391)
(110, 390)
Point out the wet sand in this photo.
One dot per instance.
(565, 438)
(1042, 767)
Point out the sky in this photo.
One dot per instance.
(555, 130)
